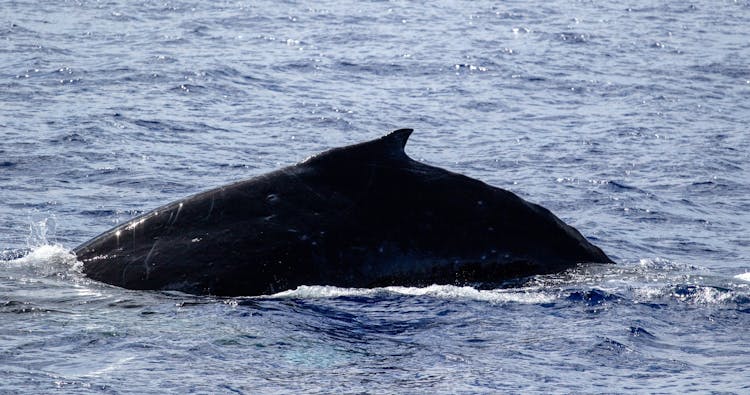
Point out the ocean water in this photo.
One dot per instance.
(628, 119)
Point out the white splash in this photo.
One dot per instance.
(744, 276)
(712, 296)
(514, 295)
(47, 257)
(321, 291)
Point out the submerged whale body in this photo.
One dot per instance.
(364, 215)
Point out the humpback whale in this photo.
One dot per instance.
(364, 215)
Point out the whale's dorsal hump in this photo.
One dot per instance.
(386, 148)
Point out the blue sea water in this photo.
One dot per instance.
(628, 119)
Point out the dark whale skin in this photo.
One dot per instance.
(364, 215)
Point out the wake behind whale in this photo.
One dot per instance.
(364, 215)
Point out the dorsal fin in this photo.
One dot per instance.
(398, 137)
(389, 147)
